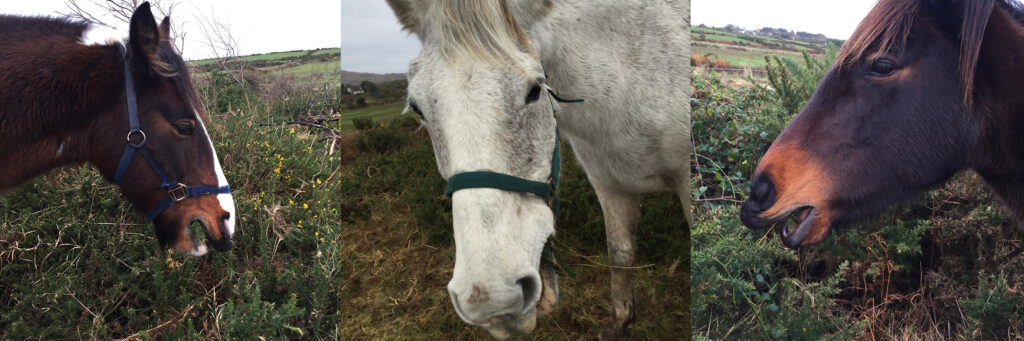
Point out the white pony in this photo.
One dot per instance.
(479, 86)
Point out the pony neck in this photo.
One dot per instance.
(999, 107)
(60, 110)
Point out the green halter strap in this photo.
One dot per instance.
(483, 179)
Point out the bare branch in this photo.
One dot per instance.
(120, 11)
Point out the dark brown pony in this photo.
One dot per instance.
(65, 102)
(922, 90)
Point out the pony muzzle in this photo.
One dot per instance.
(223, 244)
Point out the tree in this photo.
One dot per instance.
(369, 87)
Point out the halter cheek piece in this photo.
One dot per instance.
(176, 191)
(483, 179)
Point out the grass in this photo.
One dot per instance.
(273, 56)
(378, 113)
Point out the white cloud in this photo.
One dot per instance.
(834, 19)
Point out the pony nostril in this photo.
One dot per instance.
(531, 289)
(226, 216)
(762, 192)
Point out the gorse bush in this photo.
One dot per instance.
(387, 138)
(362, 123)
(794, 82)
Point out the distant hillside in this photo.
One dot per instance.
(279, 57)
(781, 33)
(349, 77)
(738, 47)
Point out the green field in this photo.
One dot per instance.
(736, 49)
(377, 113)
(272, 56)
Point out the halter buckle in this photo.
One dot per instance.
(178, 193)
(141, 136)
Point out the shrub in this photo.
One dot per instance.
(362, 124)
(384, 138)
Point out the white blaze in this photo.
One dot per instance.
(227, 202)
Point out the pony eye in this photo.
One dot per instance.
(534, 94)
(883, 67)
(184, 127)
(417, 110)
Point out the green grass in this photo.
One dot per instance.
(273, 56)
(377, 113)
(327, 51)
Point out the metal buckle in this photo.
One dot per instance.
(140, 133)
(178, 193)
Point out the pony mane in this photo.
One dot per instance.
(35, 28)
(888, 26)
(482, 29)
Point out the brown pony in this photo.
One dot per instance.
(63, 101)
(922, 90)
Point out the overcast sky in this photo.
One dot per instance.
(372, 40)
(259, 26)
(834, 19)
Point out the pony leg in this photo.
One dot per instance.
(685, 196)
(621, 215)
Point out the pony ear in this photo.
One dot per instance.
(144, 37)
(165, 28)
(405, 11)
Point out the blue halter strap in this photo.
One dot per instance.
(546, 190)
(176, 191)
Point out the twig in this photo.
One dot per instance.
(159, 328)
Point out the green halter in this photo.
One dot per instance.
(483, 179)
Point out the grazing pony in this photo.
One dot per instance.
(129, 109)
(921, 91)
(481, 87)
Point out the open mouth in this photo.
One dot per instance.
(201, 223)
(548, 292)
(503, 327)
(803, 218)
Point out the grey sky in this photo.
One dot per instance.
(372, 40)
(834, 19)
(259, 26)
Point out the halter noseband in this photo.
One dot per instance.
(546, 190)
(176, 191)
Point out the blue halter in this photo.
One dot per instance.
(176, 191)
(546, 190)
